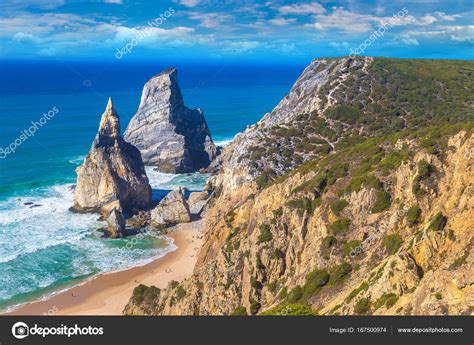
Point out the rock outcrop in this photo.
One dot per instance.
(113, 174)
(170, 136)
(115, 225)
(172, 209)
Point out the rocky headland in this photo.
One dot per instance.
(355, 195)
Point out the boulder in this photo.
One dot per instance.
(172, 209)
(197, 200)
(169, 135)
(113, 174)
(115, 225)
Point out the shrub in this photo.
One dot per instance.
(338, 273)
(362, 306)
(459, 261)
(145, 294)
(438, 295)
(341, 225)
(315, 280)
(239, 311)
(173, 284)
(392, 243)
(349, 246)
(295, 294)
(387, 299)
(338, 205)
(439, 222)
(180, 292)
(328, 242)
(413, 215)
(382, 201)
(265, 234)
(355, 292)
(289, 310)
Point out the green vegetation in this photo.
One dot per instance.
(387, 299)
(340, 226)
(349, 246)
(413, 215)
(362, 287)
(362, 307)
(239, 311)
(326, 244)
(338, 273)
(438, 223)
(438, 296)
(424, 172)
(146, 296)
(173, 284)
(344, 113)
(304, 205)
(265, 234)
(382, 202)
(290, 309)
(392, 243)
(180, 292)
(295, 294)
(338, 205)
(459, 261)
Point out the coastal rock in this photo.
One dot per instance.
(197, 200)
(113, 174)
(115, 225)
(172, 209)
(170, 136)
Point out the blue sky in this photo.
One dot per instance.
(234, 29)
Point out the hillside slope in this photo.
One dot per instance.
(379, 222)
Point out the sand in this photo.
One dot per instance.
(107, 294)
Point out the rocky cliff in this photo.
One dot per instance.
(170, 136)
(113, 174)
(379, 221)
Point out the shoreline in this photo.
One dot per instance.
(108, 293)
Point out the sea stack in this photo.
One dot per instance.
(169, 135)
(113, 174)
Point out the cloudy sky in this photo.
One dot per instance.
(234, 29)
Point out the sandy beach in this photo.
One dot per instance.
(107, 294)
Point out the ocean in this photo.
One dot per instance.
(43, 247)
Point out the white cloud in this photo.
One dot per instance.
(454, 33)
(238, 47)
(114, 2)
(309, 8)
(26, 38)
(189, 3)
(210, 20)
(280, 21)
(338, 45)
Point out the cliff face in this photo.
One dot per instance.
(113, 174)
(380, 222)
(169, 135)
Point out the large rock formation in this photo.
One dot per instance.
(172, 209)
(113, 175)
(170, 136)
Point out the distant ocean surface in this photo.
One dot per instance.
(43, 247)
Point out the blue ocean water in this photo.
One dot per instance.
(43, 247)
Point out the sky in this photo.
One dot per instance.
(240, 30)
